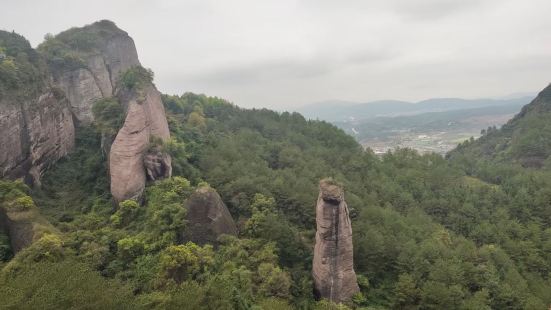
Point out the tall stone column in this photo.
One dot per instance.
(333, 266)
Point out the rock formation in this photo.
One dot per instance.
(132, 158)
(39, 129)
(132, 161)
(20, 219)
(333, 267)
(113, 53)
(24, 227)
(35, 120)
(208, 217)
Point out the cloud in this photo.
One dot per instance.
(291, 52)
(432, 9)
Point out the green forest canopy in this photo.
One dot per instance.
(429, 233)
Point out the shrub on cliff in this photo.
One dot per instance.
(136, 78)
(108, 115)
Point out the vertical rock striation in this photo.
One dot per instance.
(112, 52)
(35, 134)
(108, 54)
(35, 120)
(333, 267)
(132, 159)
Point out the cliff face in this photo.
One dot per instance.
(333, 267)
(35, 120)
(132, 157)
(45, 95)
(110, 52)
(85, 65)
(35, 134)
(208, 217)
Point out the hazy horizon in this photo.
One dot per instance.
(287, 54)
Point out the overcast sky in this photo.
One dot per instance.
(282, 54)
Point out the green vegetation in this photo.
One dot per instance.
(67, 50)
(136, 78)
(22, 69)
(67, 284)
(429, 233)
(108, 116)
(524, 141)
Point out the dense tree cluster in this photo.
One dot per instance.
(429, 233)
(22, 69)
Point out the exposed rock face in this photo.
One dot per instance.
(128, 156)
(333, 267)
(97, 79)
(157, 165)
(208, 217)
(37, 131)
(35, 134)
(36, 124)
(82, 91)
(131, 160)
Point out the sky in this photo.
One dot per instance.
(283, 54)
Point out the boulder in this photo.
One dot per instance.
(20, 219)
(208, 217)
(333, 266)
(24, 227)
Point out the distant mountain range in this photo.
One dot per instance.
(342, 111)
(470, 120)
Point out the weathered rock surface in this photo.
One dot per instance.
(35, 134)
(145, 118)
(333, 266)
(82, 91)
(208, 217)
(131, 160)
(157, 165)
(24, 227)
(114, 54)
(38, 131)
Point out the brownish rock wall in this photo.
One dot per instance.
(333, 266)
(145, 118)
(35, 134)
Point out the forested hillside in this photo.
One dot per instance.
(525, 140)
(472, 231)
(426, 235)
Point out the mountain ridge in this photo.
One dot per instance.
(334, 111)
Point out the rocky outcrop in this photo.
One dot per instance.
(35, 119)
(35, 134)
(208, 217)
(157, 165)
(132, 160)
(333, 267)
(19, 216)
(130, 156)
(24, 227)
(85, 64)
(114, 52)
(51, 133)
